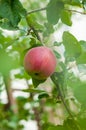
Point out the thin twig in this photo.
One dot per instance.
(44, 8)
(76, 11)
(36, 34)
(37, 10)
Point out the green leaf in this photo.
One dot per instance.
(76, 2)
(57, 54)
(54, 9)
(58, 80)
(7, 62)
(71, 124)
(63, 127)
(57, 43)
(56, 128)
(10, 13)
(82, 123)
(72, 46)
(36, 82)
(73, 2)
(83, 45)
(19, 7)
(66, 17)
(22, 74)
(82, 68)
(33, 23)
(43, 95)
(49, 29)
(79, 90)
(81, 59)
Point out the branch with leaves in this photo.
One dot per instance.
(44, 9)
(55, 79)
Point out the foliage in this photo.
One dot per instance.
(62, 105)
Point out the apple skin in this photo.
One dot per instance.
(40, 62)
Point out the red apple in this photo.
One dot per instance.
(40, 62)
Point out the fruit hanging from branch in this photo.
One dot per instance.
(40, 62)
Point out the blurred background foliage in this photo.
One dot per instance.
(29, 23)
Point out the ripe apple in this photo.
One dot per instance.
(40, 62)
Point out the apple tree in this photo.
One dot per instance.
(56, 94)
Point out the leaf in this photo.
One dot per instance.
(73, 2)
(7, 62)
(76, 2)
(79, 90)
(82, 123)
(66, 17)
(66, 126)
(57, 43)
(58, 80)
(56, 128)
(82, 68)
(22, 74)
(10, 13)
(71, 124)
(54, 9)
(57, 54)
(83, 45)
(49, 29)
(18, 6)
(82, 58)
(43, 95)
(36, 82)
(33, 23)
(72, 46)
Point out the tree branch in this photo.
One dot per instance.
(37, 117)
(44, 8)
(53, 78)
(75, 11)
(36, 34)
(37, 10)
(11, 100)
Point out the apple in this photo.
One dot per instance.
(40, 62)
